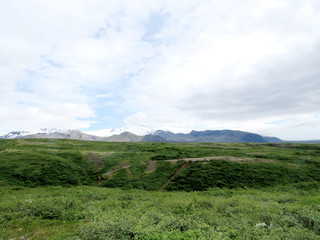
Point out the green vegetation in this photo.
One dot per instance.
(103, 213)
(232, 174)
(43, 162)
(158, 190)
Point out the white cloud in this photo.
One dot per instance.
(63, 116)
(203, 65)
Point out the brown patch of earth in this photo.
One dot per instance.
(253, 153)
(96, 157)
(221, 147)
(151, 167)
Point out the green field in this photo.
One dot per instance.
(104, 213)
(69, 189)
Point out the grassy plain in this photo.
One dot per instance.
(68, 189)
(103, 213)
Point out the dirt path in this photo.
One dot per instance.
(178, 171)
(121, 166)
(226, 158)
(152, 166)
(129, 172)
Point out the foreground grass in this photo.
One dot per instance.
(103, 213)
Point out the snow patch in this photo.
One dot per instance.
(22, 133)
(135, 129)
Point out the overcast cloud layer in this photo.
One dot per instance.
(91, 64)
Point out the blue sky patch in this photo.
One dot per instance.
(50, 62)
(154, 25)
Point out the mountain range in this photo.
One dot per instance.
(135, 129)
(145, 135)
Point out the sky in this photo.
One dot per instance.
(246, 65)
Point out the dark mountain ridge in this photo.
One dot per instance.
(211, 136)
(228, 136)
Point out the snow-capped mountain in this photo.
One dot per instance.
(132, 133)
(135, 129)
(23, 133)
(15, 134)
(68, 133)
(47, 133)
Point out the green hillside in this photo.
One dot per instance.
(225, 191)
(156, 166)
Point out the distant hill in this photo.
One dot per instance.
(123, 137)
(272, 139)
(305, 141)
(153, 138)
(211, 136)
